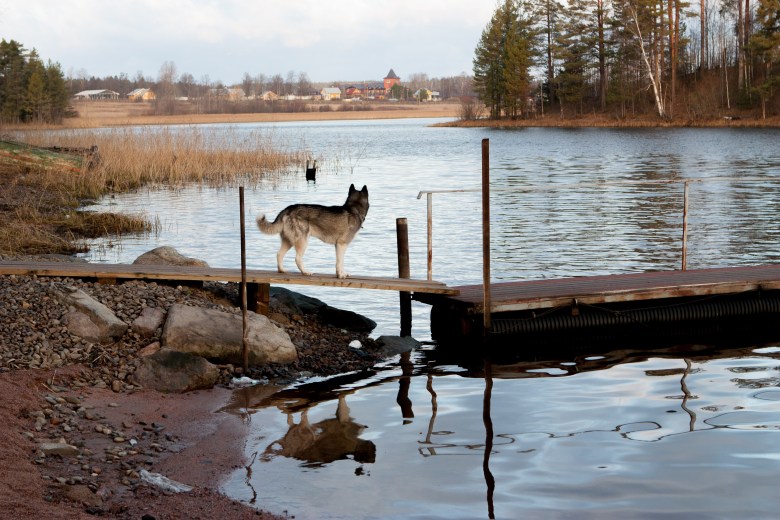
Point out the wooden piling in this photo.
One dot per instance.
(685, 228)
(245, 351)
(402, 233)
(486, 325)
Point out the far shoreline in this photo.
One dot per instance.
(99, 114)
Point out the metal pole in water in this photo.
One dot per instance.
(430, 235)
(245, 352)
(402, 233)
(685, 228)
(486, 236)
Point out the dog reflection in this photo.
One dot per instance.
(325, 441)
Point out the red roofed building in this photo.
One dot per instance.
(390, 80)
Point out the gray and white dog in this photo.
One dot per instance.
(332, 224)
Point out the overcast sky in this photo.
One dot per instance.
(223, 39)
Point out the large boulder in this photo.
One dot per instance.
(88, 318)
(166, 255)
(170, 371)
(291, 302)
(218, 335)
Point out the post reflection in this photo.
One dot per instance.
(490, 481)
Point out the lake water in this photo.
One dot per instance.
(679, 431)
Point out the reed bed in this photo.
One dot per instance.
(134, 157)
(40, 206)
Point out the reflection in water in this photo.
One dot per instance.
(325, 441)
(489, 479)
(603, 440)
(407, 368)
(687, 394)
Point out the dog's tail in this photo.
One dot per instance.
(269, 228)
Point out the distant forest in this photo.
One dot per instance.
(672, 58)
(30, 91)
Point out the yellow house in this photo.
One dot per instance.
(330, 93)
(141, 94)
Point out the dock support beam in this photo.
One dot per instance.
(402, 232)
(486, 297)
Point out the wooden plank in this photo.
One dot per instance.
(545, 294)
(217, 274)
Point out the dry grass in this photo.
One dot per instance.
(38, 207)
(39, 214)
(131, 157)
(95, 114)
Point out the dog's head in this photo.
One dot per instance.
(358, 200)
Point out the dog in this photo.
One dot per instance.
(332, 224)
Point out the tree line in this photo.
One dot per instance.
(30, 91)
(674, 58)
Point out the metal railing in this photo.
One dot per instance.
(531, 189)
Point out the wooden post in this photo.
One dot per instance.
(486, 298)
(245, 352)
(402, 232)
(685, 228)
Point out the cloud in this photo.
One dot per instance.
(226, 38)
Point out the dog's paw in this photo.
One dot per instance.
(306, 273)
(342, 275)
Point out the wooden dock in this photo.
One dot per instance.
(619, 296)
(258, 281)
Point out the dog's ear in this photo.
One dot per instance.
(365, 189)
(352, 188)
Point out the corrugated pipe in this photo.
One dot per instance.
(593, 317)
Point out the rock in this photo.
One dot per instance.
(171, 371)
(393, 345)
(293, 303)
(89, 319)
(218, 336)
(58, 448)
(166, 255)
(148, 322)
(81, 494)
(345, 319)
(149, 349)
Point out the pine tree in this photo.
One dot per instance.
(503, 59)
(765, 46)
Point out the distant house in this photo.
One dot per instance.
(330, 93)
(269, 96)
(374, 90)
(390, 80)
(229, 94)
(425, 94)
(95, 95)
(141, 94)
(352, 92)
(236, 94)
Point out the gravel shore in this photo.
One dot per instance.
(33, 336)
(79, 400)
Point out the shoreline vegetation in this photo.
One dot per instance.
(96, 114)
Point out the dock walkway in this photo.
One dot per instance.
(534, 298)
(257, 280)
